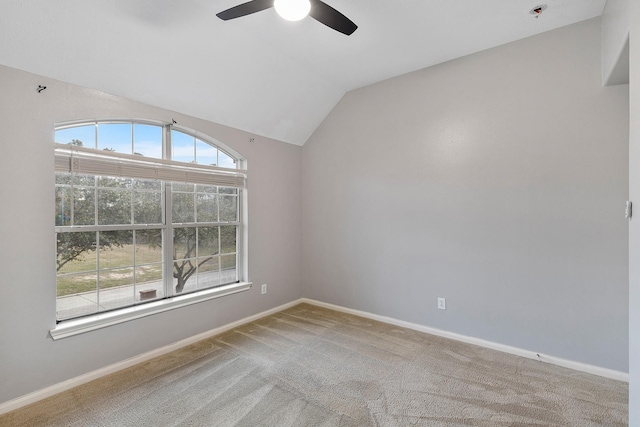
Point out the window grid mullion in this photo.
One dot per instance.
(96, 202)
(135, 270)
(73, 202)
(98, 251)
(96, 136)
(87, 228)
(218, 203)
(167, 232)
(239, 238)
(197, 260)
(195, 201)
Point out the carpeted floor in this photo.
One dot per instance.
(309, 366)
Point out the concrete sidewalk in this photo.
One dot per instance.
(81, 304)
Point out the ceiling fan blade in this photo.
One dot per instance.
(245, 9)
(330, 17)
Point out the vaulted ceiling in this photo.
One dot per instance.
(257, 73)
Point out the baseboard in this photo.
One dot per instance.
(578, 366)
(98, 373)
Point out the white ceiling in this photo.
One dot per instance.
(258, 73)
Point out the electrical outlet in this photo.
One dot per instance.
(264, 288)
(442, 304)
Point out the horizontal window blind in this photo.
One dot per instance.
(87, 161)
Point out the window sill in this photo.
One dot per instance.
(79, 326)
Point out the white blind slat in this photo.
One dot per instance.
(62, 163)
(139, 171)
(95, 162)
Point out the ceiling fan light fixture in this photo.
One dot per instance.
(292, 10)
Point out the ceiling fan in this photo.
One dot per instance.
(295, 10)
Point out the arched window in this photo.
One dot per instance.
(145, 212)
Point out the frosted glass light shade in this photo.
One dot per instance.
(292, 10)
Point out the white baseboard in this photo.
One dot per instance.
(98, 373)
(30, 398)
(578, 366)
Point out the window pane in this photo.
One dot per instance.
(149, 282)
(73, 284)
(63, 206)
(183, 275)
(206, 154)
(76, 252)
(150, 276)
(116, 249)
(83, 136)
(115, 137)
(114, 207)
(208, 272)
(228, 270)
(207, 241)
(117, 278)
(226, 161)
(148, 246)
(184, 243)
(83, 180)
(63, 178)
(145, 184)
(84, 206)
(109, 182)
(182, 208)
(209, 189)
(207, 207)
(228, 190)
(147, 140)
(185, 188)
(115, 288)
(77, 295)
(228, 235)
(147, 207)
(228, 208)
(182, 147)
(184, 248)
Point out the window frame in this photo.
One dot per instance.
(171, 300)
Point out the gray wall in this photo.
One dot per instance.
(29, 359)
(634, 225)
(497, 181)
(615, 32)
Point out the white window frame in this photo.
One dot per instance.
(74, 326)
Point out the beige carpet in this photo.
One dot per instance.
(309, 366)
